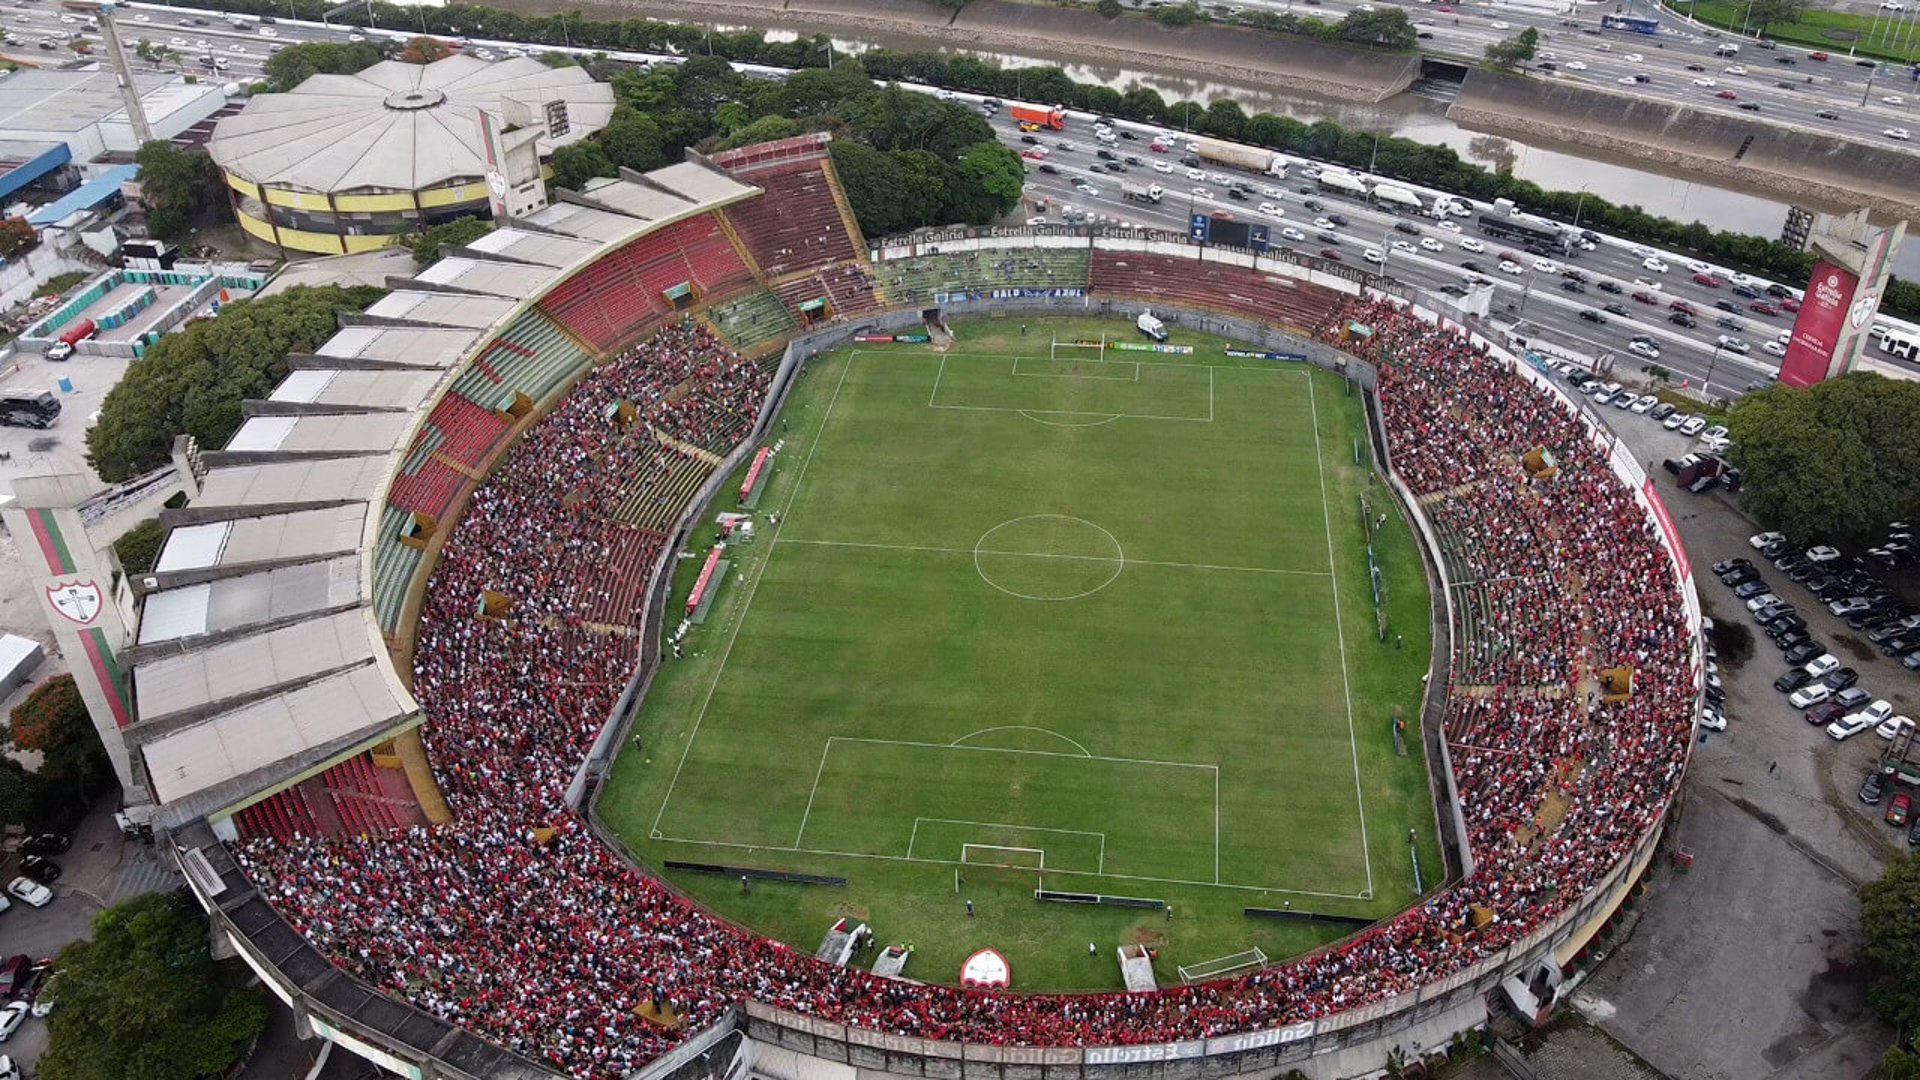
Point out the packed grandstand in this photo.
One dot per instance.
(514, 921)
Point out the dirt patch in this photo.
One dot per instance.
(1733, 642)
(1764, 817)
(852, 911)
(1853, 647)
(1143, 936)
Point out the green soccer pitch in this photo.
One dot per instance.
(1098, 621)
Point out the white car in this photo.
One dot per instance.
(1655, 264)
(483, 54)
(1875, 712)
(1633, 58)
(1508, 266)
(1810, 695)
(265, 31)
(1734, 344)
(1823, 665)
(1374, 256)
(1468, 243)
(1715, 444)
(12, 1017)
(1894, 99)
(356, 37)
(1773, 348)
(1576, 65)
(1089, 190)
(1645, 348)
(1546, 266)
(1271, 210)
(1223, 179)
(238, 49)
(1733, 69)
(1402, 245)
(1273, 193)
(1430, 244)
(1674, 420)
(1892, 5)
(1892, 726)
(1645, 404)
(1322, 223)
(1717, 431)
(1163, 166)
(177, 43)
(1603, 47)
(1699, 267)
(30, 891)
(1760, 541)
(1039, 219)
(1848, 726)
(1498, 25)
(1705, 81)
(1713, 719)
(1755, 603)
(1196, 174)
(1293, 234)
(1202, 193)
(1627, 80)
(1449, 226)
(1897, 133)
(1694, 425)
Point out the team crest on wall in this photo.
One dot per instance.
(77, 601)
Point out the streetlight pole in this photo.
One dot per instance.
(1864, 94)
(1706, 385)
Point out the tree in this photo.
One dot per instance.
(428, 246)
(1108, 8)
(53, 721)
(193, 380)
(145, 1000)
(634, 140)
(577, 163)
(425, 50)
(1896, 1064)
(17, 238)
(296, 64)
(139, 547)
(1765, 13)
(765, 129)
(1890, 920)
(1837, 460)
(987, 183)
(1510, 52)
(1179, 14)
(180, 187)
(1387, 27)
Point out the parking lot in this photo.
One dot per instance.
(61, 447)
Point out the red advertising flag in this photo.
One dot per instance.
(1817, 328)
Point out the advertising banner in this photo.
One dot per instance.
(1250, 354)
(1818, 326)
(1141, 346)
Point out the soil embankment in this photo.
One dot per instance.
(1796, 162)
(1207, 51)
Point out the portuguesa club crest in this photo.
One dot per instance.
(76, 601)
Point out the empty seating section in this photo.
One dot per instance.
(715, 268)
(748, 320)
(361, 799)
(428, 489)
(282, 815)
(1218, 286)
(796, 225)
(469, 432)
(848, 291)
(658, 487)
(918, 279)
(575, 304)
(622, 293)
(534, 357)
(393, 567)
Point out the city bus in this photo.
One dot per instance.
(1633, 24)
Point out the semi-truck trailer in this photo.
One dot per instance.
(1135, 193)
(1252, 158)
(1040, 118)
(1395, 195)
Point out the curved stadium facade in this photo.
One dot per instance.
(1552, 810)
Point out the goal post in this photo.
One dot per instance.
(1078, 350)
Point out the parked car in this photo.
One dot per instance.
(1893, 727)
(1822, 715)
(1873, 788)
(1802, 651)
(12, 1016)
(41, 869)
(1808, 696)
(1847, 727)
(1899, 809)
(1850, 699)
(1794, 679)
(46, 844)
(1841, 678)
(30, 891)
(1821, 666)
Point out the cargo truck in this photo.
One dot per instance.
(1039, 118)
(1341, 180)
(1135, 193)
(1251, 158)
(1395, 195)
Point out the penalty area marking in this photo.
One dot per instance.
(1100, 864)
(933, 401)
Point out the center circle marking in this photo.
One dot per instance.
(1002, 548)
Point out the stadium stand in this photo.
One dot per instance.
(918, 279)
(797, 224)
(515, 922)
(751, 319)
(625, 292)
(393, 567)
(1210, 284)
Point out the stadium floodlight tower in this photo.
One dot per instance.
(1849, 274)
(123, 75)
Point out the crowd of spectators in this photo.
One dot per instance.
(515, 922)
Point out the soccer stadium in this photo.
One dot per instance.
(677, 635)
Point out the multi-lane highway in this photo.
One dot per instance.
(1429, 253)
(1785, 84)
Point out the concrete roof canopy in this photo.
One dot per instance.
(413, 126)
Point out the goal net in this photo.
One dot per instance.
(1225, 965)
(1006, 858)
(1087, 349)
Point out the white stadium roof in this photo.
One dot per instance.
(397, 126)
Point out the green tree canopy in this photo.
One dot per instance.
(1510, 52)
(428, 246)
(1890, 920)
(54, 722)
(1108, 8)
(1835, 461)
(193, 380)
(145, 1000)
(181, 188)
(577, 163)
(1387, 27)
(139, 547)
(1896, 1064)
(1765, 13)
(296, 64)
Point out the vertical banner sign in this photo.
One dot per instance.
(1199, 228)
(1260, 238)
(1818, 326)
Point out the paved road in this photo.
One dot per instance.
(1536, 296)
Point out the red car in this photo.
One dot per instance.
(1682, 305)
(1329, 253)
(1816, 56)
(1647, 298)
(1708, 280)
(1897, 811)
(1726, 95)
(1788, 303)
(1761, 307)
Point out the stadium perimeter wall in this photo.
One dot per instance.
(395, 1035)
